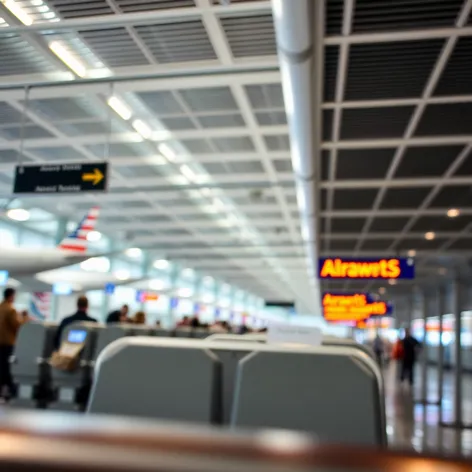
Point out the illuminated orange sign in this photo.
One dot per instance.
(352, 308)
(394, 268)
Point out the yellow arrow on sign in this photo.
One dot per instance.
(96, 176)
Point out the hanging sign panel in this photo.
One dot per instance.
(346, 268)
(353, 307)
(61, 178)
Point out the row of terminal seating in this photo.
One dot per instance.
(333, 391)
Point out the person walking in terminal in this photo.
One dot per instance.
(118, 316)
(10, 323)
(378, 347)
(410, 350)
(79, 315)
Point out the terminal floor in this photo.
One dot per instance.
(411, 425)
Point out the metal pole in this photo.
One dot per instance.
(441, 308)
(424, 363)
(457, 308)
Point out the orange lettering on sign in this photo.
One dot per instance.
(351, 307)
(384, 268)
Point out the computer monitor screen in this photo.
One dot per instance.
(77, 336)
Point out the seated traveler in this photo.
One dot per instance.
(80, 315)
(118, 316)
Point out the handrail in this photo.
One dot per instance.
(70, 443)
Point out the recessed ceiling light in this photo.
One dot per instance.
(94, 236)
(411, 253)
(453, 213)
(122, 274)
(142, 128)
(133, 252)
(156, 284)
(161, 264)
(442, 271)
(382, 290)
(392, 282)
(18, 214)
(430, 235)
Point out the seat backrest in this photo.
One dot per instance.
(183, 332)
(157, 378)
(162, 333)
(332, 392)
(34, 343)
(109, 334)
(199, 333)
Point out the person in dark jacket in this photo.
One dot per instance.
(80, 315)
(119, 316)
(410, 350)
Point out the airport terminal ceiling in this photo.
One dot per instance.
(200, 150)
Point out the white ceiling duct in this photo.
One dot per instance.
(299, 31)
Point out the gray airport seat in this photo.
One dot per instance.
(334, 393)
(182, 332)
(29, 366)
(111, 333)
(162, 333)
(72, 387)
(199, 333)
(157, 378)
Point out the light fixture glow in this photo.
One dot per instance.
(187, 272)
(185, 169)
(142, 128)
(94, 236)
(122, 274)
(18, 12)
(156, 284)
(18, 214)
(430, 235)
(134, 252)
(392, 282)
(453, 213)
(161, 264)
(206, 192)
(411, 253)
(119, 107)
(382, 290)
(67, 58)
(185, 292)
(167, 152)
(96, 264)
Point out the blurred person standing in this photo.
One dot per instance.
(410, 350)
(378, 347)
(118, 316)
(10, 324)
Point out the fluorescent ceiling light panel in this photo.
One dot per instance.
(167, 152)
(120, 108)
(19, 12)
(67, 58)
(142, 128)
(187, 172)
(122, 274)
(18, 214)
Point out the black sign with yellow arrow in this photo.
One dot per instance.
(61, 178)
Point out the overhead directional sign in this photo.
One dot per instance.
(61, 178)
(385, 268)
(353, 307)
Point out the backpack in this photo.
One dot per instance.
(398, 351)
